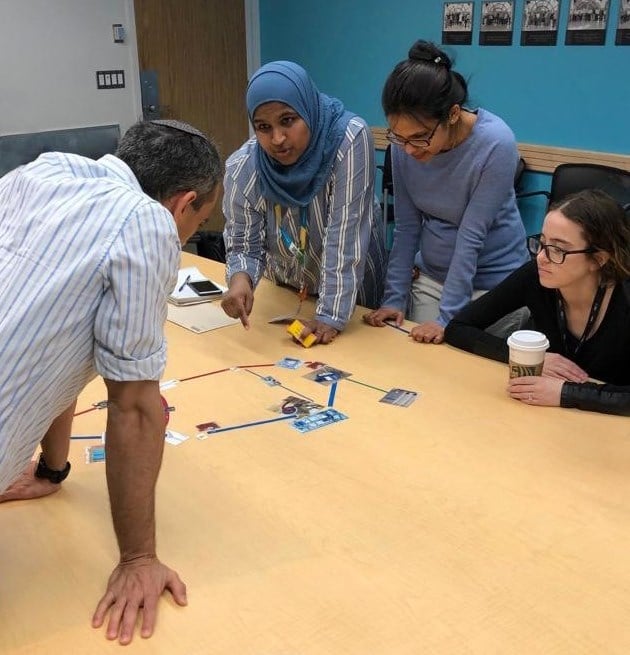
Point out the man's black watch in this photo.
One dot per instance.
(56, 477)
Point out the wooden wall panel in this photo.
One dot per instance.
(542, 159)
(199, 49)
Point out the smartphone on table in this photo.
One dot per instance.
(205, 288)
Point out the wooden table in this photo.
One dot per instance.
(465, 523)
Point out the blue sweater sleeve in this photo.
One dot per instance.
(494, 188)
(407, 230)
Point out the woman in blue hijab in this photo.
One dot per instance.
(299, 203)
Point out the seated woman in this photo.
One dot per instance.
(299, 202)
(578, 293)
(456, 216)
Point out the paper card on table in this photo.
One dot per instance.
(400, 397)
(318, 420)
(285, 319)
(182, 294)
(327, 375)
(297, 406)
(94, 454)
(175, 438)
(210, 425)
(290, 362)
(208, 429)
(200, 318)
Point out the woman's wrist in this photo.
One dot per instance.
(239, 278)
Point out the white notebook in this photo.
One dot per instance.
(182, 294)
(200, 318)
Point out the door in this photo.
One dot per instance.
(198, 50)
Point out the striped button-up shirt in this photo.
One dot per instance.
(86, 263)
(345, 253)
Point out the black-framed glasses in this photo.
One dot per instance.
(416, 143)
(553, 253)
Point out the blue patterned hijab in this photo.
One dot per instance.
(298, 183)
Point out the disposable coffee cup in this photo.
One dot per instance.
(527, 352)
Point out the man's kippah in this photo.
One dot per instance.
(179, 125)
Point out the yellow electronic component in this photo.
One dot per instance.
(295, 329)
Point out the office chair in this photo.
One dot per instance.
(210, 245)
(387, 190)
(518, 174)
(94, 142)
(571, 178)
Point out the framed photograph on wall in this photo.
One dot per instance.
(497, 22)
(457, 23)
(587, 22)
(540, 22)
(623, 24)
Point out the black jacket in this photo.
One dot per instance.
(604, 356)
(605, 398)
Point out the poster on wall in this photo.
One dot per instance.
(623, 24)
(496, 23)
(587, 22)
(540, 22)
(457, 23)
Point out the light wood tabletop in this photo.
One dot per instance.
(467, 523)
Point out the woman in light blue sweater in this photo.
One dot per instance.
(457, 223)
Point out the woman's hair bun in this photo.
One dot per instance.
(430, 53)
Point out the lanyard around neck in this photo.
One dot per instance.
(592, 317)
(297, 251)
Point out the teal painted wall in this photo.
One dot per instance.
(570, 96)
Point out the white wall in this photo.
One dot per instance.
(50, 51)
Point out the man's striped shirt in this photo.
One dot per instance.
(86, 263)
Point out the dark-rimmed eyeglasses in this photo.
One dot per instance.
(416, 143)
(553, 253)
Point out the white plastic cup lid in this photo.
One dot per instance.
(528, 340)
